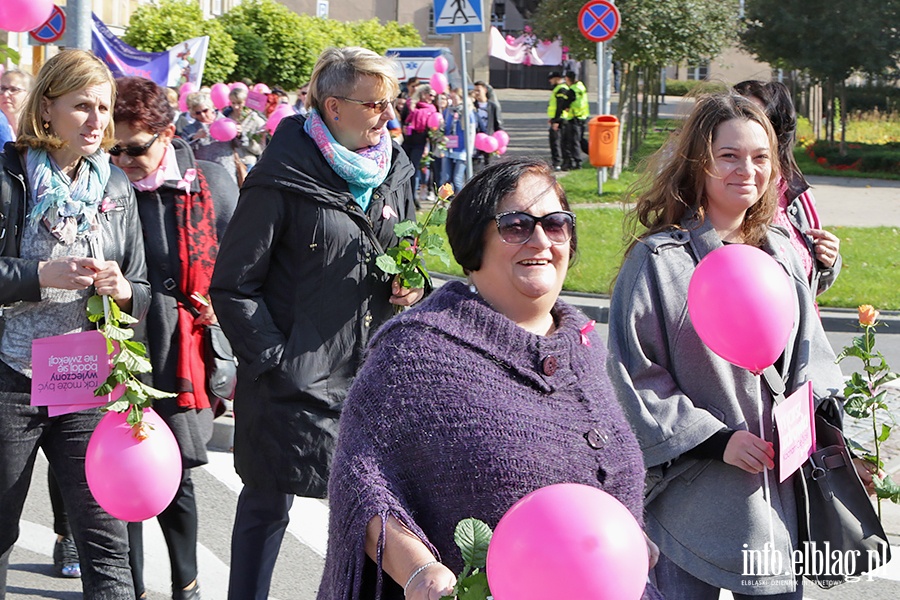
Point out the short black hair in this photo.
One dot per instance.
(473, 208)
(571, 75)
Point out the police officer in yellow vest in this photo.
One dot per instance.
(558, 116)
(579, 112)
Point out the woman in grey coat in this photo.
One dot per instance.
(696, 415)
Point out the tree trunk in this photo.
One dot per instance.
(843, 117)
(624, 118)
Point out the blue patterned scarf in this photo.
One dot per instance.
(68, 208)
(363, 170)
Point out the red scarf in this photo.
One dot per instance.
(198, 246)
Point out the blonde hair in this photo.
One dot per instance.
(678, 171)
(339, 70)
(69, 71)
(25, 79)
(197, 98)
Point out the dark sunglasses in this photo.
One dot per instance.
(516, 227)
(379, 106)
(133, 151)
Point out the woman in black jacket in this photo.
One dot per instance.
(185, 206)
(72, 230)
(298, 293)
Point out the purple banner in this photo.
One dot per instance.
(125, 61)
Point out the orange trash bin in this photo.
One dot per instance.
(603, 140)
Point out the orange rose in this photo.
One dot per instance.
(445, 191)
(867, 315)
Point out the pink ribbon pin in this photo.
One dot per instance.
(107, 205)
(185, 184)
(589, 327)
(388, 211)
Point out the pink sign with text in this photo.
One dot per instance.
(795, 418)
(66, 369)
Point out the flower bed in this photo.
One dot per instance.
(865, 158)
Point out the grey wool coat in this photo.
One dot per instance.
(677, 393)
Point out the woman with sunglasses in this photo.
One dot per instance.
(298, 292)
(72, 231)
(704, 425)
(484, 393)
(14, 86)
(205, 147)
(185, 205)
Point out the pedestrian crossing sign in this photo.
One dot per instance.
(458, 16)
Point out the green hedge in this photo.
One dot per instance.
(867, 98)
(865, 158)
(679, 87)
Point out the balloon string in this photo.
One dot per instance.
(768, 491)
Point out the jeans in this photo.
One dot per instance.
(454, 171)
(259, 526)
(178, 523)
(101, 539)
(674, 583)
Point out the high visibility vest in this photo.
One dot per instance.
(559, 96)
(581, 108)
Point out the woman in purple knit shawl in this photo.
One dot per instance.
(484, 393)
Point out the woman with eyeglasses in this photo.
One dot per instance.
(14, 86)
(300, 105)
(71, 231)
(185, 205)
(204, 146)
(298, 292)
(485, 392)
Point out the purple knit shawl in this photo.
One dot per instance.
(453, 415)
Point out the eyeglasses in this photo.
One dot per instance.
(516, 227)
(133, 151)
(11, 89)
(304, 93)
(379, 106)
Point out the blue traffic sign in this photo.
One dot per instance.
(458, 16)
(599, 20)
(52, 29)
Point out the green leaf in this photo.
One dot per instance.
(105, 388)
(115, 313)
(473, 536)
(136, 347)
(406, 229)
(854, 351)
(473, 587)
(439, 217)
(887, 489)
(118, 333)
(886, 378)
(139, 388)
(95, 307)
(885, 432)
(857, 407)
(387, 264)
(124, 317)
(414, 280)
(120, 405)
(856, 447)
(133, 362)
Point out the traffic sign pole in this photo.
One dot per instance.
(465, 101)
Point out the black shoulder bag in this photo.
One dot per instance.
(836, 516)
(221, 364)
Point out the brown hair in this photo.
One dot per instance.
(143, 105)
(679, 170)
(69, 71)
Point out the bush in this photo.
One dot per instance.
(680, 87)
(865, 158)
(883, 98)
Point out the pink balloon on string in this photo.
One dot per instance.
(501, 150)
(262, 88)
(491, 145)
(434, 121)
(219, 95)
(188, 87)
(739, 301)
(24, 15)
(573, 539)
(502, 137)
(510, 40)
(439, 83)
(277, 115)
(182, 101)
(440, 65)
(130, 478)
(239, 84)
(223, 130)
(480, 143)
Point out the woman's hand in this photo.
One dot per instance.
(199, 134)
(828, 246)
(109, 281)
(403, 296)
(865, 470)
(207, 316)
(749, 452)
(69, 273)
(432, 583)
(652, 551)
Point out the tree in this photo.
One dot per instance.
(158, 27)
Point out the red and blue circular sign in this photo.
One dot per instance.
(52, 29)
(599, 20)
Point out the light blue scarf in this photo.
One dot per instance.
(69, 208)
(363, 170)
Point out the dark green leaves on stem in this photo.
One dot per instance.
(473, 537)
(129, 358)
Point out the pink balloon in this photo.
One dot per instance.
(440, 65)
(480, 141)
(439, 83)
(501, 150)
(24, 15)
(188, 87)
(277, 115)
(739, 301)
(434, 121)
(262, 88)
(238, 84)
(510, 40)
(219, 95)
(182, 101)
(502, 137)
(491, 145)
(573, 539)
(133, 479)
(223, 130)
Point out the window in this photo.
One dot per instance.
(698, 71)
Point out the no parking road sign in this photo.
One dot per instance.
(52, 29)
(599, 20)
